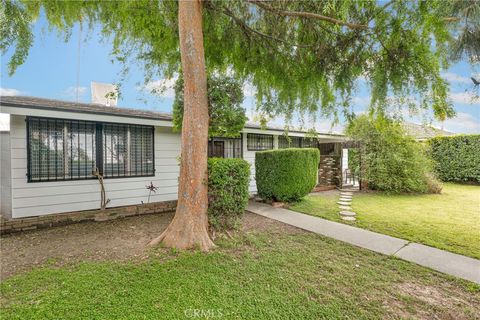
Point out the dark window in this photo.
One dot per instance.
(257, 142)
(70, 149)
(289, 142)
(326, 148)
(309, 143)
(296, 142)
(225, 147)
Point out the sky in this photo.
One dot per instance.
(51, 71)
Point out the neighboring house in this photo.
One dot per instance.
(53, 146)
(424, 132)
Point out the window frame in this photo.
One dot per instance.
(260, 149)
(98, 148)
(237, 149)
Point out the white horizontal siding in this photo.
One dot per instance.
(5, 176)
(40, 198)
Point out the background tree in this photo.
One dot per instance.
(391, 161)
(299, 55)
(226, 114)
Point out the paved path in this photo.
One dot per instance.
(440, 260)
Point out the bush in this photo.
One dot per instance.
(456, 158)
(391, 160)
(287, 174)
(228, 181)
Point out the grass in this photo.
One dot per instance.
(261, 275)
(448, 221)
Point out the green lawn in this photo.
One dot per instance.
(449, 221)
(260, 275)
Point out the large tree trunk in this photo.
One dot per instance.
(189, 227)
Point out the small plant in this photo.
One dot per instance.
(151, 189)
(103, 197)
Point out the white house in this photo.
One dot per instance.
(52, 147)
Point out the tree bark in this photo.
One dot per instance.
(189, 227)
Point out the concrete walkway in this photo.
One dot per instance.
(440, 260)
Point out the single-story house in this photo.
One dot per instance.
(53, 146)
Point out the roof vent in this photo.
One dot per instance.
(104, 93)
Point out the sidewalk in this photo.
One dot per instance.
(450, 263)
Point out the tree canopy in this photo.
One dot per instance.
(303, 56)
(225, 97)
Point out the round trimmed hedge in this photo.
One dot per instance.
(286, 174)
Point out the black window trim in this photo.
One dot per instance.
(98, 155)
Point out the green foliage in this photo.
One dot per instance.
(354, 161)
(228, 195)
(295, 62)
(391, 160)
(456, 158)
(225, 97)
(287, 174)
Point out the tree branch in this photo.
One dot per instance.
(247, 28)
(308, 15)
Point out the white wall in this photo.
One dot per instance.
(5, 179)
(40, 198)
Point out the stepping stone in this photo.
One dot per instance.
(348, 213)
(347, 193)
(344, 203)
(345, 198)
(347, 208)
(349, 218)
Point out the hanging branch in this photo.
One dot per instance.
(308, 15)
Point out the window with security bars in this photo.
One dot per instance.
(257, 142)
(296, 142)
(71, 149)
(225, 147)
(289, 142)
(60, 149)
(127, 150)
(309, 143)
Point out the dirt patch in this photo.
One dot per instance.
(445, 301)
(115, 240)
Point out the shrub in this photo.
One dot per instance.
(456, 158)
(228, 181)
(287, 174)
(391, 160)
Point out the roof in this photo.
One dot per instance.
(59, 105)
(91, 108)
(422, 132)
